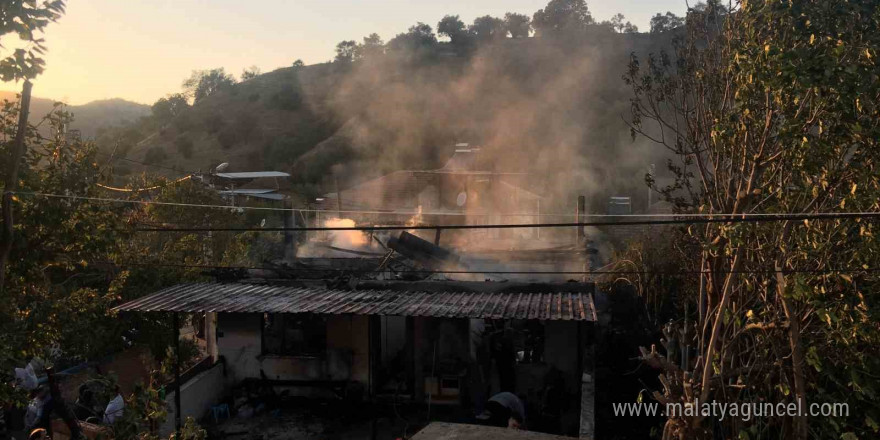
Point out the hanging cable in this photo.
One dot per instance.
(130, 190)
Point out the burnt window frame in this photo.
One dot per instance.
(313, 349)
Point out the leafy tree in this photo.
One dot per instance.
(56, 289)
(371, 47)
(419, 36)
(204, 83)
(346, 51)
(250, 72)
(562, 16)
(170, 107)
(665, 23)
(772, 109)
(26, 19)
(487, 28)
(518, 25)
(617, 24)
(452, 27)
(298, 63)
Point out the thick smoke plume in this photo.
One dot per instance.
(550, 108)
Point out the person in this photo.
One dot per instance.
(506, 410)
(114, 409)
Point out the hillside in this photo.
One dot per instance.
(551, 108)
(91, 117)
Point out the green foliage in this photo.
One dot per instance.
(419, 37)
(773, 108)
(55, 286)
(170, 107)
(250, 72)
(518, 25)
(298, 63)
(665, 22)
(346, 51)
(617, 24)
(562, 16)
(487, 28)
(288, 97)
(190, 354)
(26, 19)
(452, 27)
(204, 83)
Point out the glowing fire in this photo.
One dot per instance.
(345, 239)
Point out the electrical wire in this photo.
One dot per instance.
(496, 272)
(139, 162)
(676, 218)
(129, 190)
(720, 219)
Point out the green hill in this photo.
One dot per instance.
(91, 117)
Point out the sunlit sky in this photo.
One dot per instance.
(141, 50)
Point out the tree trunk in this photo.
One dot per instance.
(15, 158)
(797, 355)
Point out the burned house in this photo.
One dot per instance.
(423, 343)
(464, 191)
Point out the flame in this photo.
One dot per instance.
(345, 239)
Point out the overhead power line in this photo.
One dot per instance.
(642, 220)
(493, 272)
(715, 219)
(149, 188)
(142, 163)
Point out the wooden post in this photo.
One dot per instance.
(581, 207)
(176, 323)
(11, 183)
(338, 197)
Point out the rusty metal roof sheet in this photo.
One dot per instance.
(261, 298)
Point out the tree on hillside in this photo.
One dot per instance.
(204, 83)
(666, 22)
(371, 47)
(345, 51)
(298, 63)
(250, 72)
(518, 25)
(772, 109)
(488, 28)
(562, 16)
(418, 36)
(168, 108)
(617, 24)
(453, 28)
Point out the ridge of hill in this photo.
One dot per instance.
(91, 117)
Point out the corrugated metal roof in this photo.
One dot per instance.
(262, 298)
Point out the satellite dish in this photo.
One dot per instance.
(223, 166)
(461, 199)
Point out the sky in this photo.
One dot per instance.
(142, 50)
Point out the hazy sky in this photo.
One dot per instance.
(141, 50)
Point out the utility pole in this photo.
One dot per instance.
(11, 184)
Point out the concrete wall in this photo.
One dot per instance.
(196, 397)
(347, 356)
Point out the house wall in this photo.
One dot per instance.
(197, 396)
(346, 358)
